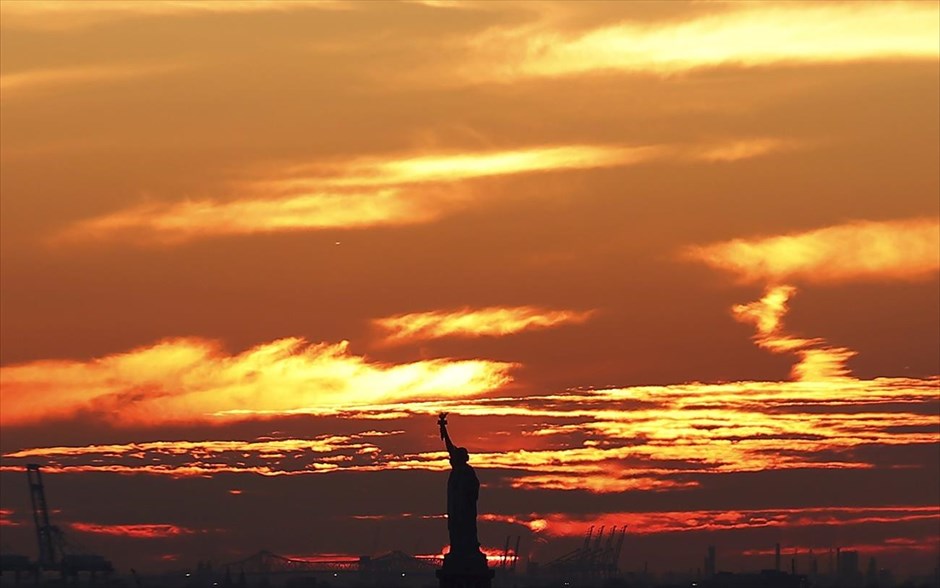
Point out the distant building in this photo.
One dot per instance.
(848, 566)
(710, 567)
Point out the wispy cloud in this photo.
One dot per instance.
(492, 321)
(5, 518)
(263, 448)
(864, 250)
(59, 15)
(353, 194)
(645, 438)
(368, 192)
(24, 83)
(450, 167)
(171, 223)
(735, 35)
(147, 531)
(818, 362)
(649, 523)
(195, 380)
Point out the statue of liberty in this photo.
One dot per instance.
(463, 490)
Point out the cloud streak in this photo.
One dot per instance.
(818, 362)
(650, 523)
(746, 35)
(645, 438)
(5, 518)
(173, 223)
(370, 192)
(491, 321)
(64, 15)
(200, 449)
(195, 380)
(863, 250)
(158, 531)
(24, 83)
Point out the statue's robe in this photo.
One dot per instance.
(463, 489)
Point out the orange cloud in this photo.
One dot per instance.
(171, 223)
(644, 438)
(648, 523)
(599, 482)
(492, 321)
(864, 250)
(5, 519)
(817, 361)
(195, 380)
(204, 470)
(740, 35)
(370, 192)
(451, 167)
(64, 15)
(353, 194)
(684, 429)
(203, 449)
(134, 531)
(738, 150)
(17, 84)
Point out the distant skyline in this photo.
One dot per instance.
(669, 265)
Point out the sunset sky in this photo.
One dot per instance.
(670, 265)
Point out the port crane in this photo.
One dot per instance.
(55, 552)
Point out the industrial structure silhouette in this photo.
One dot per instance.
(596, 562)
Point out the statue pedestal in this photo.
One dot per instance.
(466, 579)
(465, 571)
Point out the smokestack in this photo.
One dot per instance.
(777, 557)
(710, 564)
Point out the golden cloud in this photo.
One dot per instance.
(644, 438)
(818, 362)
(746, 35)
(373, 191)
(202, 449)
(451, 167)
(63, 15)
(864, 250)
(492, 321)
(172, 223)
(195, 380)
(21, 83)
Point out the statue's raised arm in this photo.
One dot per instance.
(442, 421)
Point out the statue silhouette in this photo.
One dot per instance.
(463, 490)
(464, 565)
